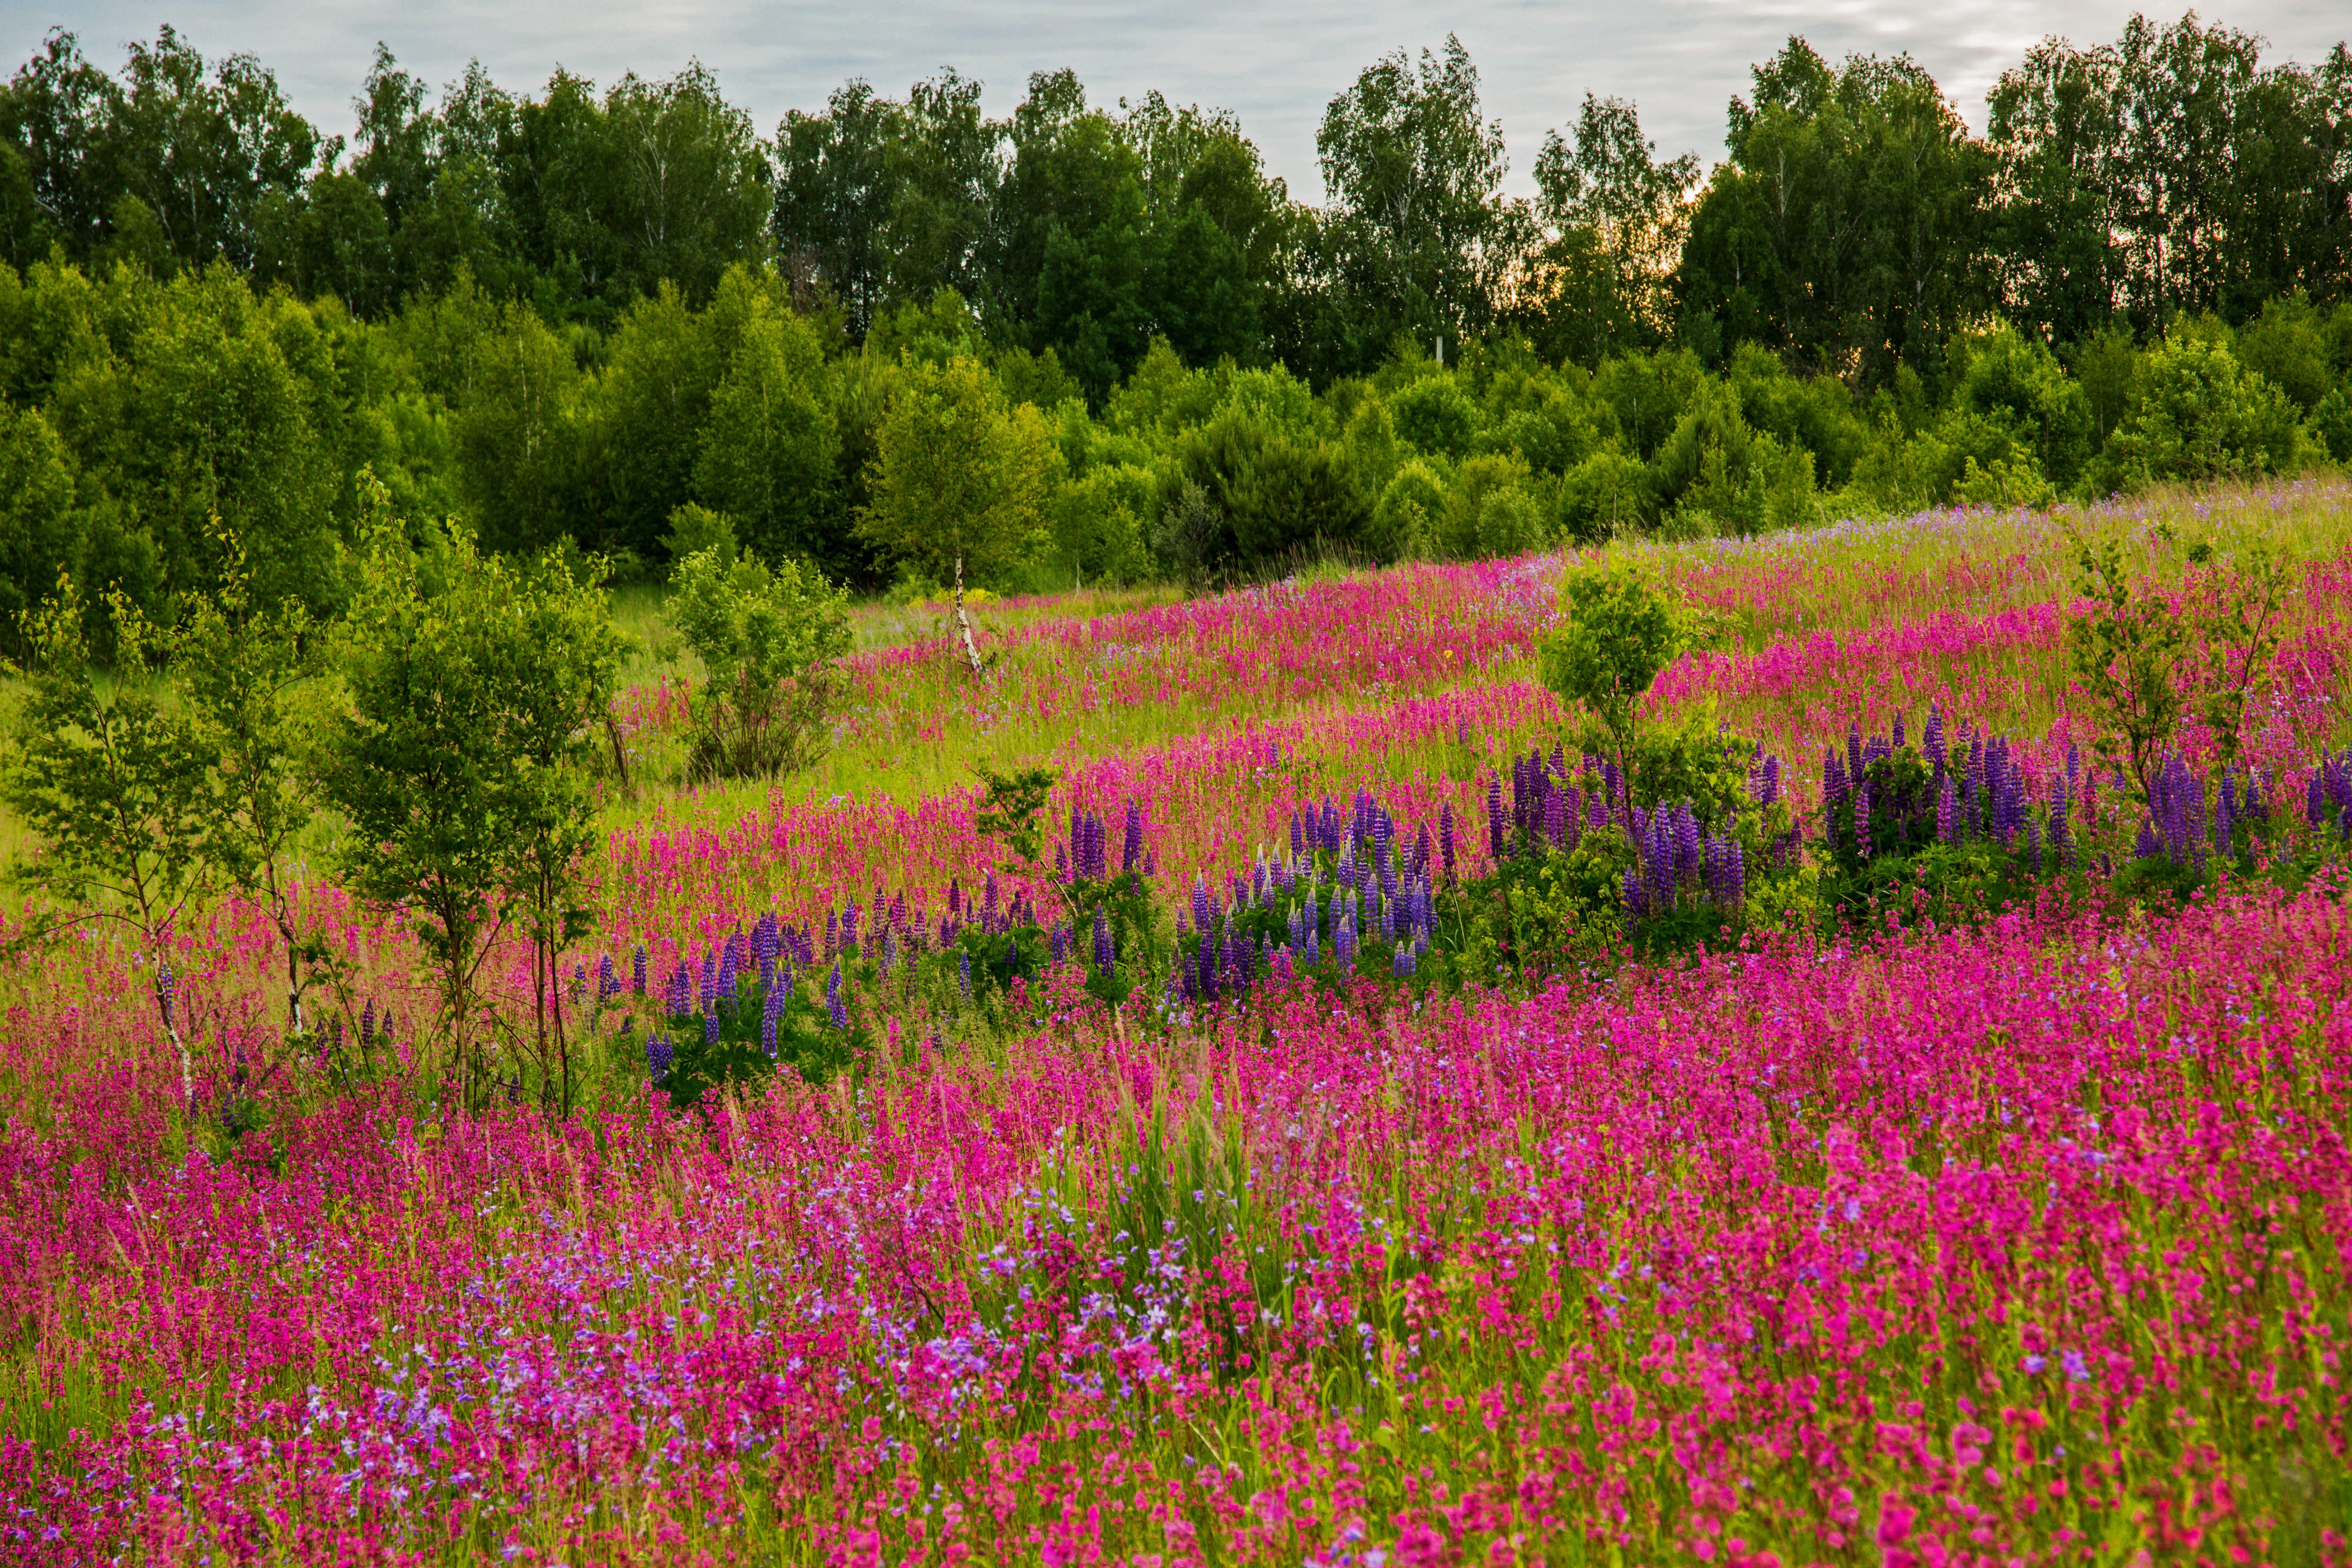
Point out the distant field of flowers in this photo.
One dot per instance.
(1335, 1121)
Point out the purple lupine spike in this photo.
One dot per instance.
(707, 989)
(710, 1028)
(2061, 831)
(681, 985)
(725, 988)
(770, 1009)
(1495, 819)
(607, 985)
(1947, 812)
(1555, 823)
(832, 930)
(1735, 873)
(1688, 845)
(1862, 822)
(1103, 954)
(658, 1057)
(1898, 733)
(1130, 851)
(834, 1005)
(1931, 740)
(1853, 753)
(1632, 894)
(637, 970)
(1064, 868)
(1833, 778)
(1445, 839)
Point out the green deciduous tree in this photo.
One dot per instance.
(116, 787)
(458, 758)
(240, 663)
(1617, 631)
(1617, 215)
(1847, 227)
(959, 480)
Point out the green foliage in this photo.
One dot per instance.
(2200, 414)
(1008, 810)
(704, 1060)
(458, 758)
(2145, 659)
(242, 668)
(2127, 654)
(115, 785)
(768, 637)
(960, 477)
(1272, 492)
(1617, 631)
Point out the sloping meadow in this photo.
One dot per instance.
(2020, 1240)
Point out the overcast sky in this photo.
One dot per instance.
(1275, 65)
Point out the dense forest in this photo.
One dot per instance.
(617, 319)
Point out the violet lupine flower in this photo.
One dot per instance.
(833, 1002)
(2061, 831)
(1897, 732)
(1731, 867)
(367, 1022)
(725, 989)
(681, 985)
(1555, 823)
(710, 1028)
(1931, 740)
(769, 1011)
(1495, 817)
(1948, 811)
(1445, 839)
(963, 973)
(889, 949)
(657, 1057)
(709, 987)
(1687, 844)
(606, 986)
(1862, 822)
(637, 970)
(1854, 758)
(1631, 893)
(1401, 966)
(1103, 954)
(1834, 779)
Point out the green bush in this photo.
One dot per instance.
(766, 638)
(2200, 415)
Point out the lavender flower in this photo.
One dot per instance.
(657, 1057)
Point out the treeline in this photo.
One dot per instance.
(598, 318)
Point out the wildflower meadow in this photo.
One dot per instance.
(1265, 1077)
